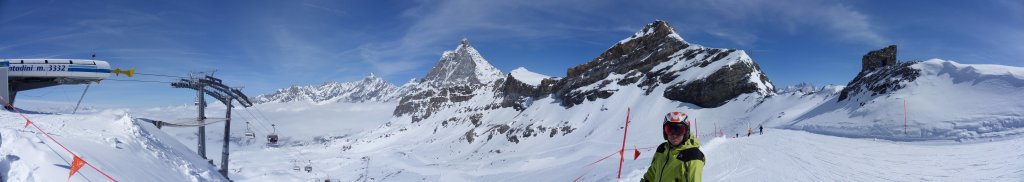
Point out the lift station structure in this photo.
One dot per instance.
(28, 74)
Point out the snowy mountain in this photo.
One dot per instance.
(459, 75)
(657, 56)
(467, 121)
(369, 89)
(464, 65)
(809, 88)
(930, 100)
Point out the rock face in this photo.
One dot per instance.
(881, 78)
(715, 90)
(464, 65)
(369, 89)
(458, 76)
(879, 58)
(515, 93)
(657, 55)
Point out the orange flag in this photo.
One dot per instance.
(27, 122)
(76, 164)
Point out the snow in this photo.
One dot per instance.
(785, 155)
(949, 101)
(357, 141)
(963, 124)
(528, 77)
(110, 140)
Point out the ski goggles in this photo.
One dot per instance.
(674, 129)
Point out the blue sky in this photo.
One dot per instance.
(266, 45)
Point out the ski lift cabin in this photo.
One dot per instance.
(272, 137)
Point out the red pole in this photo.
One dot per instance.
(621, 155)
(904, 116)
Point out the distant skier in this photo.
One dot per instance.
(760, 130)
(750, 131)
(679, 158)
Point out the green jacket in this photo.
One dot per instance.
(668, 164)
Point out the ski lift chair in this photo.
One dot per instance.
(248, 131)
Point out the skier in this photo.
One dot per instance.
(750, 131)
(679, 158)
(760, 130)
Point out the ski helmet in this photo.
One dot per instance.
(675, 122)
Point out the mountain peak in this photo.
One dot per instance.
(657, 28)
(372, 78)
(462, 65)
(464, 43)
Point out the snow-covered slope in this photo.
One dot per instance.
(369, 89)
(948, 101)
(110, 140)
(527, 76)
(784, 155)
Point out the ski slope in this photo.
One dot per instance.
(787, 155)
(109, 140)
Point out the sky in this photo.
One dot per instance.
(263, 46)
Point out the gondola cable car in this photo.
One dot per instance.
(272, 137)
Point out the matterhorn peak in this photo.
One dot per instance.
(462, 65)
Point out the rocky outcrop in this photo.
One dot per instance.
(657, 45)
(513, 93)
(881, 78)
(717, 89)
(879, 58)
(655, 57)
(423, 102)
